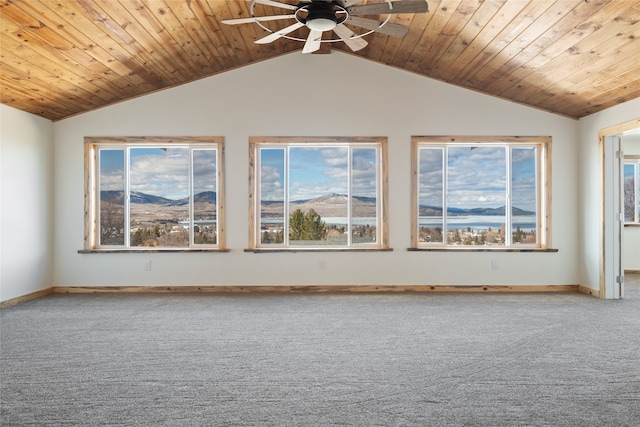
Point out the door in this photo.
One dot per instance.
(613, 217)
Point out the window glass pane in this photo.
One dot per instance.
(430, 195)
(523, 196)
(485, 192)
(112, 179)
(159, 196)
(476, 195)
(629, 191)
(272, 195)
(205, 231)
(318, 196)
(364, 190)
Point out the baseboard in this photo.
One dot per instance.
(27, 297)
(315, 289)
(589, 291)
(296, 289)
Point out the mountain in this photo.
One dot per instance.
(203, 197)
(143, 198)
(437, 211)
(206, 197)
(331, 205)
(332, 198)
(116, 197)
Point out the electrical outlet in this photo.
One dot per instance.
(147, 266)
(494, 264)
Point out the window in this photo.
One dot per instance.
(631, 177)
(480, 192)
(154, 193)
(318, 193)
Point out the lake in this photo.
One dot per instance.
(329, 220)
(479, 222)
(476, 222)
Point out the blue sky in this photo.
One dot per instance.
(159, 172)
(628, 172)
(477, 177)
(316, 172)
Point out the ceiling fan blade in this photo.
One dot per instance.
(276, 35)
(345, 34)
(276, 4)
(313, 41)
(256, 18)
(347, 3)
(407, 6)
(390, 29)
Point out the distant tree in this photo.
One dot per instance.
(204, 235)
(314, 226)
(296, 225)
(111, 223)
(306, 226)
(136, 239)
(518, 235)
(628, 200)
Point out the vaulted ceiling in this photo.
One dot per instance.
(570, 57)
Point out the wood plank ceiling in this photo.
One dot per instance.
(64, 57)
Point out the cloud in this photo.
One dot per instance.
(430, 177)
(364, 173)
(318, 171)
(160, 172)
(204, 170)
(111, 179)
(476, 177)
(271, 183)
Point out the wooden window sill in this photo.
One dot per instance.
(265, 250)
(150, 250)
(472, 249)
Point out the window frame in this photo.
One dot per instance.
(635, 162)
(92, 145)
(256, 143)
(543, 160)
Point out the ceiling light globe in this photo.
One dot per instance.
(321, 24)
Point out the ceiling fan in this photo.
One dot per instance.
(332, 15)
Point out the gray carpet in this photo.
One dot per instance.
(322, 359)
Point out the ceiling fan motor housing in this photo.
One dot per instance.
(321, 17)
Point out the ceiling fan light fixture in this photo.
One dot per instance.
(321, 24)
(321, 20)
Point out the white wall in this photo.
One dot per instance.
(589, 184)
(26, 203)
(631, 248)
(314, 95)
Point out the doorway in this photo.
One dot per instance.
(612, 205)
